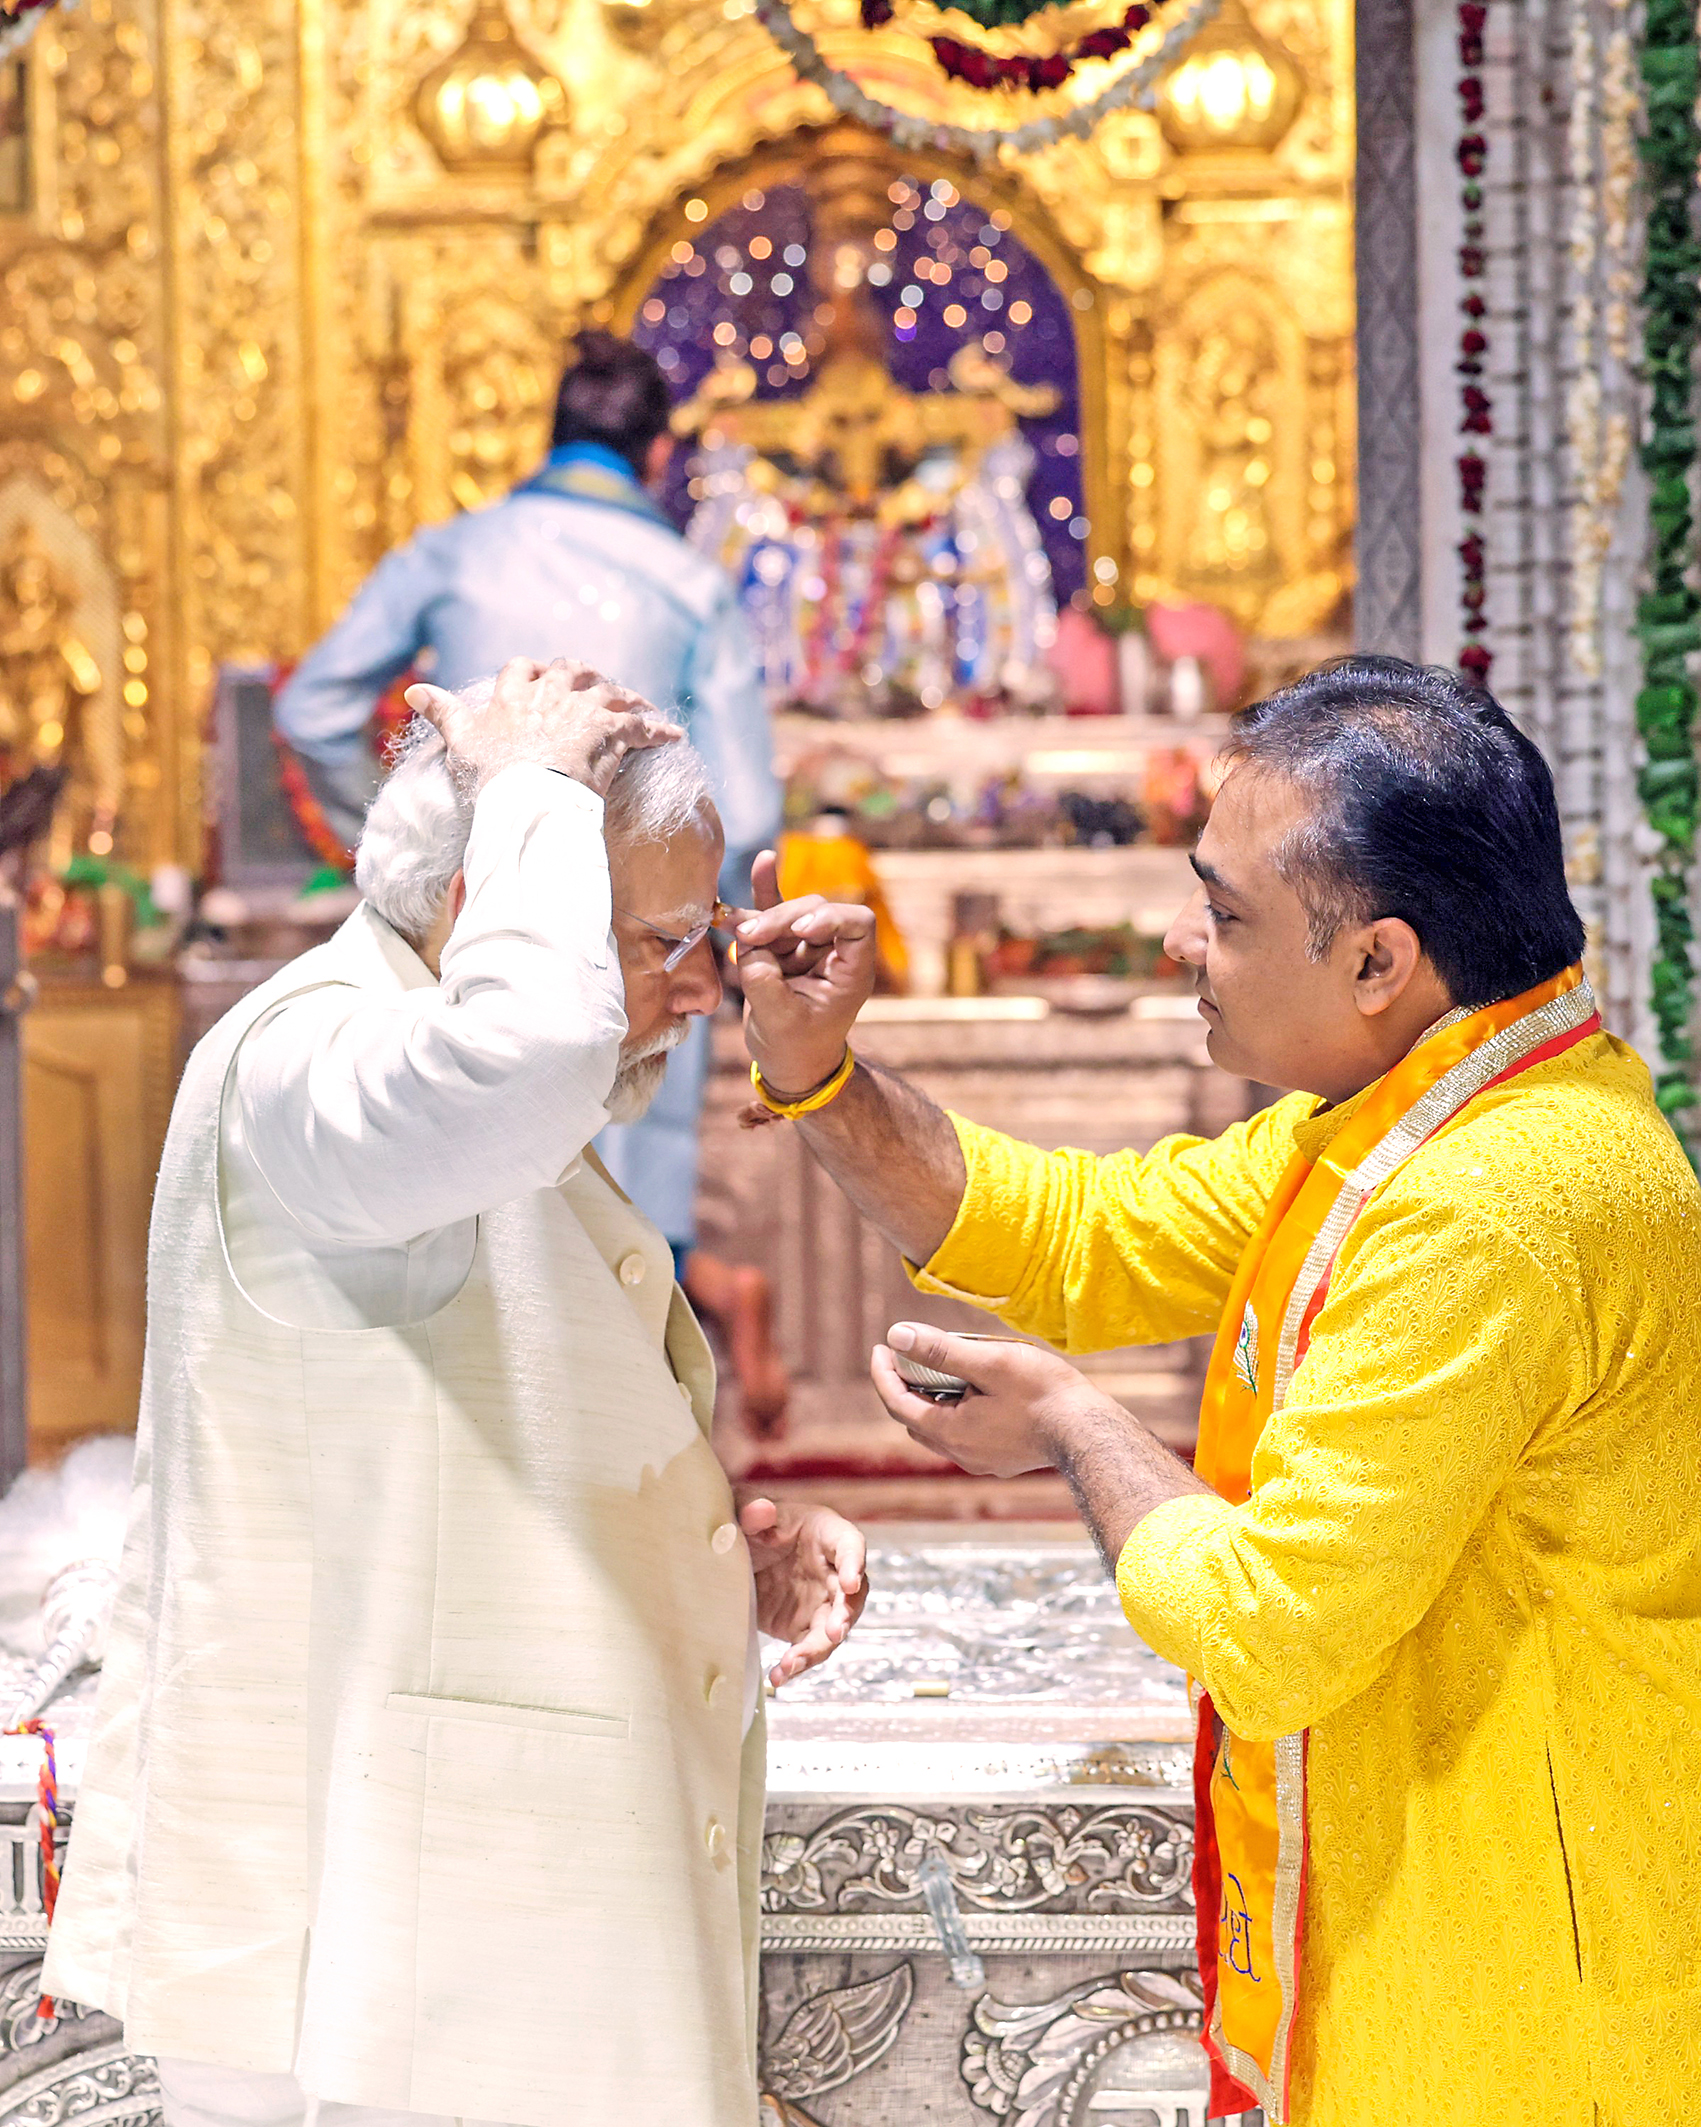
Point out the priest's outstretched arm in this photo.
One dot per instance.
(1087, 1252)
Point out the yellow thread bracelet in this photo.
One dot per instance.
(829, 1090)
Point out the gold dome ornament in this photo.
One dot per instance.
(483, 107)
(1235, 90)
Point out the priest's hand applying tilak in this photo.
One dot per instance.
(807, 968)
(810, 1587)
(559, 716)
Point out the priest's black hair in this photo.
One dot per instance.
(1430, 805)
(612, 393)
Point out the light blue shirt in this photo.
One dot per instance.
(579, 563)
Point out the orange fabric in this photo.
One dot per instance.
(1231, 1418)
(839, 868)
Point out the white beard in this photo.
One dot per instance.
(639, 1078)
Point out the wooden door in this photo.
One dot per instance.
(98, 1069)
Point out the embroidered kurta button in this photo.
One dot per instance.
(724, 1538)
(714, 1838)
(714, 1687)
(632, 1269)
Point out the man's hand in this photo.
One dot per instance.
(1027, 1409)
(807, 969)
(1022, 1404)
(809, 1579)
(560, 716)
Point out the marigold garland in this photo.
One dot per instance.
(1668, 616)
(1476, 411)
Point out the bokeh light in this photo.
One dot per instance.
(945, 273)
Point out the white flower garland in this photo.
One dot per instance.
(905, 130)
(1600, 243)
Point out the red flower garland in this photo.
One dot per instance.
(1475, 657)
(47, 1801)
(388, 719)
(1024, 70)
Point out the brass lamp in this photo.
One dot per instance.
(484, 106)
(1234, 90)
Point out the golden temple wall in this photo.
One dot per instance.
(254, 332)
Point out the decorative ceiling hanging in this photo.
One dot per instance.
(483, 107)
(1235, 91)
(1136, 84)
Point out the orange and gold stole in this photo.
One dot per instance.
(1250, 1859)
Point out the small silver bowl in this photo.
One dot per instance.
(930, 1381)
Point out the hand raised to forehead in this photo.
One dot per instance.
(559, 716)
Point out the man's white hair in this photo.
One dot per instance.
(415, 837)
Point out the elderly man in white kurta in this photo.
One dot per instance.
(428, 1774)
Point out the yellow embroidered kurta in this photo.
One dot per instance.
(1470, 1566)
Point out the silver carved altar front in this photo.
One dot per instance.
(976, 1876)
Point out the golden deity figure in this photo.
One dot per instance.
(1231, 541)
(880, 537)
(49, 681)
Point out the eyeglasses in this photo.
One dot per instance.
(681, 948)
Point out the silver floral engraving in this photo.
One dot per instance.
(108, 2086)
(1044, 2064)
(1121, 1856)
(828, 2039)
(21, 2021)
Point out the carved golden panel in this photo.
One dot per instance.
(84, 385)
(242, 413)
(62, 667)
(361, 340)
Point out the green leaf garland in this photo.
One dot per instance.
(1668, 617)
(1001, 14)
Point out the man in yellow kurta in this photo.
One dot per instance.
(1441, 1601)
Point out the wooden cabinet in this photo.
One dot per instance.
(99, 1072)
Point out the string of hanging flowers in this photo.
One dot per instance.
(389, 720)
(1668, 616)
(1476, 413)
(905, 129)
(1598, 433)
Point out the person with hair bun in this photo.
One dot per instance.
(580, 561)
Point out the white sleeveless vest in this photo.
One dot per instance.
(418, 1771)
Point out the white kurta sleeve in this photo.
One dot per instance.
(381, 1119)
